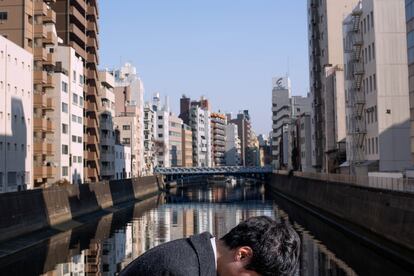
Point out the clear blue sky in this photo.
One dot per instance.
(226, 50)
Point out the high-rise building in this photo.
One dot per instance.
(201, 128)
(162, 132)
(175, 137)
(245, 133)
(325, 52)
(285, 109)
(31, 25)
(378, 127)
(77, 25)
(409, 12)
(67, 140)
(129, 95)
(304, 142)
(16, 118)
(233, 146)
(187, 146)
(218, 136)
(106, 112)
(149, 138)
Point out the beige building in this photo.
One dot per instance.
(31, 25)
(77, 25)
(218, 139)
(187, 146)
(326, 52)
(16, 117)
(377, 97)
(175, 143)
(149, 137)
(106, 111)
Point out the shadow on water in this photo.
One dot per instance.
(62, 247)
(341, 255)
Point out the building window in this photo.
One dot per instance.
(126, 127)
(65, 171)
(65, 149)
(75, 99)
(80, 120)
(64, 128)
(410, 46)
(64, 87)
(79, 159)
(65, 107)
(11, 179)
(3, 16)
(81, 101)
(74, 138)
(74, 76)
(81, 79)
(126, 141)
(160, 126)
(74, 119)
(79, 139)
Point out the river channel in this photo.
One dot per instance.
(105, 245)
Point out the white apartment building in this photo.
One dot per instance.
(378, 127)
(149, 147)
(123, 161)
(326, 52)
(130, 102)
(67, 140)
(162, 132)
(281, 117)
(175, 137)
(126, 132)
(304, 134)
(16, 117)
(201, 127)
(233, 146)
(106, 113)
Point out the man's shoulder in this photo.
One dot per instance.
(178, 257)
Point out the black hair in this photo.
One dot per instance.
(276, 246)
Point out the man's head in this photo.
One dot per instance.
(259, 246)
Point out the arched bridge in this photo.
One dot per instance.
(177, 173)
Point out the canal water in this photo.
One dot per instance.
(105, 245)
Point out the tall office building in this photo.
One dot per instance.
(218, 136)
(378, 127)
(106, 112)
(129, 92)
(67, 141)
(244, 129)
(325, 52)
(31, 25)
(162, 132)
(16, 118)
(77, 25)
(201, 128)
(233, 146)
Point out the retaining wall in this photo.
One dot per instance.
(29, 211)
(385, 213)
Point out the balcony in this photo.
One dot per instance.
(40, 8)
(81, 51)
(92, 58)
(91, 123)
(106, 124)
(77, 14)
(40, 54)
(91, 140)
(77, 32)
(39, 100)
(50, 38)
(92, 173)
(49, 81)
(44, 125)
(43, 148)
(39, 76)
(44, 172)
(92, 42)
(40, 31)
(107, 157)
(50, 60)
(50, 16)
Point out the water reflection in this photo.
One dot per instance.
(106, 245)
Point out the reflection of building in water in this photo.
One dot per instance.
(75, 266)
(92, 258)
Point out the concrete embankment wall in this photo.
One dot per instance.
(385, 213)
(29, 211)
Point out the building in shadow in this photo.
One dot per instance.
(16, 117)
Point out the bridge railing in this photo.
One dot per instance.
(384, 183)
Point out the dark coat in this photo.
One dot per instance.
(185, 257)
